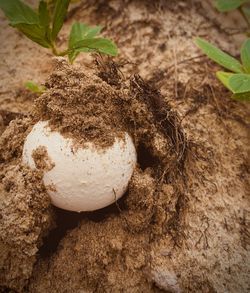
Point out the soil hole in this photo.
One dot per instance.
(145, 158)
(65, 221)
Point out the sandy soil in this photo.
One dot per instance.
(183, 225)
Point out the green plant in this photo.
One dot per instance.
(34, 87)
(42, 26)
(238, 79)
(242, 5)
(51, 4)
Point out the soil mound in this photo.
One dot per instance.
(87, 108)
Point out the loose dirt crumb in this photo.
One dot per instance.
(42, 160)
(11, 141)
(81, 106)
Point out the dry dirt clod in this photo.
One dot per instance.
(166, 280)
(42, 160)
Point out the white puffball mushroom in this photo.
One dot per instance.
(87, 178)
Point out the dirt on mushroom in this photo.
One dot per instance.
(88, 109)
(183, 225)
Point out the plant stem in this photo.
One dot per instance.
(56, 53)
(63, 53)
(54, 50)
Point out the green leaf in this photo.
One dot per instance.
(245, 55)
(76, 34)
(44, 18)
(91, 32)
(219, 56)
(242, 97)
(51, 6)
(79, 31)
(240, 83)
(34, 32)
(224, 78)
(100, 45)
(34, 87)
(60, 12)
(227, 5)
(18, 12)
(236, 83)
(26, 20)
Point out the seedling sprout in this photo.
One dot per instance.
(43, 25)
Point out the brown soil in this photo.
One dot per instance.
(183, 225)
(80, 106)
(42, 159)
